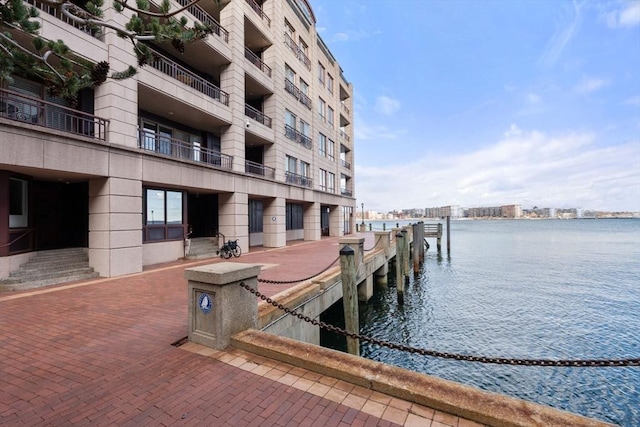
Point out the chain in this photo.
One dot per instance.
(442, 355)
(374, 245)
(286, 282)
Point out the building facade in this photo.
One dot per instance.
(248, 132)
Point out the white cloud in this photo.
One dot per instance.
(353, 35)
(634, 100)
(561, 38)
(627, 16)
(523, 167)
(387, 106)
(588, 85)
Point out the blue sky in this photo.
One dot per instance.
(492, 102)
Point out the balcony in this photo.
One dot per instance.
(344, 135)
(345, 164)
(178, 72)
(294, 178)
(297, 51)
(201, 15)
(254, 168)
(297, 93)
(345, 108)
(255, 60)
(256, 115)
(54, 11)
(298, 137)
(178, 149)
(258, 9)
(25, 109)
(346, 192)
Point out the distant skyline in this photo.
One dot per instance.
(489, 103)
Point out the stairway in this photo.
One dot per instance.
(50, 268)
(203, 247)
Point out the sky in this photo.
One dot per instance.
(490, 103)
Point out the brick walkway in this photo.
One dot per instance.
(100, 353)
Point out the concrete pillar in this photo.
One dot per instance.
(218, 306)
(274, 233)
(383, 241)
(349, 297)
(233, 214)
(311, 220)
(335, 222)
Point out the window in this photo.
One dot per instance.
(303, 46)
(304, 87)
(163, 215)
(323, 180)
(305, 129)
(330, 115)
(290, 165)
(329, 83)
(294, 216)
(290, 74)
(305, 169)
(255, 216)
(331, 182)
(18, 203)
(290, 119)
(322, 109)
(288, 29)
(321, 72)
(331, 150)
(322, 145)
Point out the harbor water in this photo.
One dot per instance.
(530, 289)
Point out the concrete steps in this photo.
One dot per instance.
(203, 247)
(50, 268)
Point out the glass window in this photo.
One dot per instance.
(322, 145)
(321, 74)
(321, 108)
(323, 180)
(329, 83)
(331, 150)
(290, 74)
(18, 198)
(291, 164)
(155, 207)
(304, 128)
(174, 207)
(331, 182)
(290, 118)
(330, 115)
(164, 142)
(304, 87)
(304, 169)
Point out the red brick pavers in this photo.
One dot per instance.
(100, 353)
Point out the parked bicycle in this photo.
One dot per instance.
(228, 248)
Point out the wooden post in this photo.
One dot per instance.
(399, 263)
(416, 249)
(350, 297)
(384, 226)
(422, 249)
(439, 241)
(448, 235)
(405, 255)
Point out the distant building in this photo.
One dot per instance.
(511, 211)
(453, 211)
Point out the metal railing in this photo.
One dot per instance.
(346, 192)
(26, 109)
(180, 73)
(294, 178)
(255, 60)
(299, 137)
(201, 15)
(345, 108)
(158, 143)
(259, 169)
(93, 31)
(255, 6)
(257, 115)
(344, 135)
(345, 164)
(297, 50)
(297, 93)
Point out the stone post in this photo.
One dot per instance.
(218, 306)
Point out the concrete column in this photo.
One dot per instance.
(233, 214)
(274, 233)
(335, 222)
(115, 226)
(311, 220)
(383, 241)
(218, 306)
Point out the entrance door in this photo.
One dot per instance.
(202, 214)
(324, 220)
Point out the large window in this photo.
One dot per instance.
(321, 74)
(331, 182)
(18, 203)
(294, 216)
(163, 215)
(323, 180)
(329, 83)
(322, 109)
(322, 145)
(331, 148)
(330, 116)
(255, 216)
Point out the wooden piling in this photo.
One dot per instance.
(350, 297)
(448, 235)
(439, 241)
(406, 254)
(416, 248)
(399, 264)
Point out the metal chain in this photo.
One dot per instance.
(286, 282)
(374, 245)
(443, 355)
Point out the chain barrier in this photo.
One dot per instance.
(374, 245)
(589, 363)
(288, 282)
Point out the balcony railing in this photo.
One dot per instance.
(345, 108)
(297, 50)
(257, 115)
(255, 6)
(93, 31)
(26, 109)
(344, 135)
(255, 60)
(259, 169)
(297, 93)
(346, 192)
(176, 148)
(299, 137)
(178, 72)
(201, 15)
(345, 164)
(294, 178)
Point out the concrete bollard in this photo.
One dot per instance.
(218, 306)
(399, 266)
(350, 297)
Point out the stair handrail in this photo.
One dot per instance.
(17, 238)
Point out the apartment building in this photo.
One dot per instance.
(248, 132)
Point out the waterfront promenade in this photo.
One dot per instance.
(99, 353)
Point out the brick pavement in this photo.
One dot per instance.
(100, 353)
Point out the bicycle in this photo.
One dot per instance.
(228, 248)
